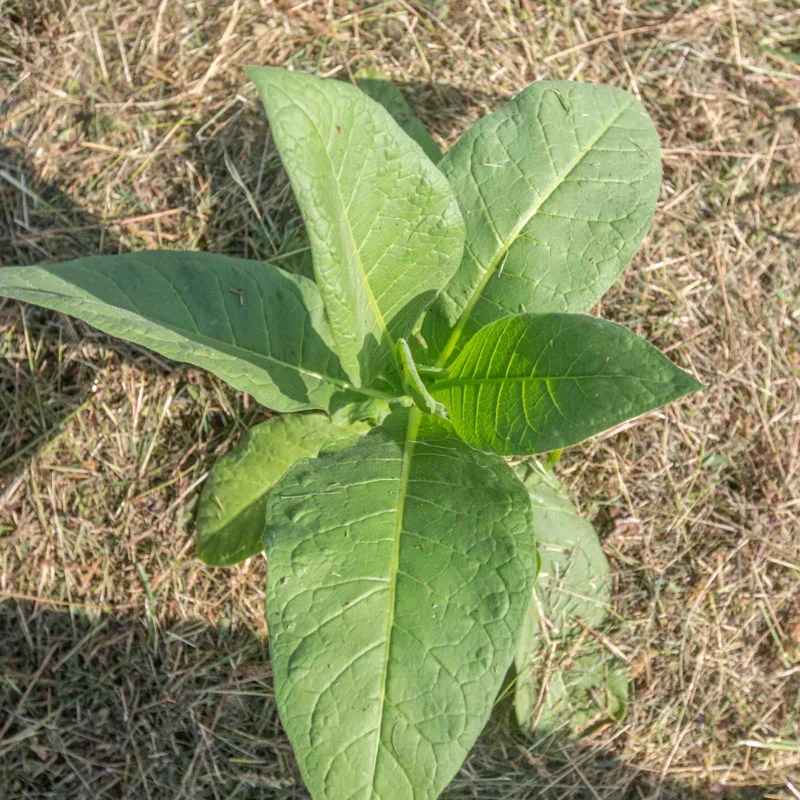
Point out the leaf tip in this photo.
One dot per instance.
(265, 76)
(254, 72)
(689, 384)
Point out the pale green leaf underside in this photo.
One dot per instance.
(383, 90)
(539, 382)
(255, 326)
(384, 226)
(232, 509)
(567, 680)
(400, 570)
(557, 188)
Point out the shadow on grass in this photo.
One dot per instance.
(113, 706)
(49, 360)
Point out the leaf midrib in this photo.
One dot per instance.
(456, 382)
(506, 245)
(414, 419)
(364, 282)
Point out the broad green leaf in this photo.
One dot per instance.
(567, 678)
(539, 382)
(232, 510)
(382, 89)
(558, 189)
(384, 226)
(399, 574)
(413, 384)
(256, 327)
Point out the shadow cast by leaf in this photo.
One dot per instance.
(110, 704)
(444, 108)
(512, 767)
(40, 224)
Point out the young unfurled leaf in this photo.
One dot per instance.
(567, 678)
(384, 226)
(255, 326)
(381, 89)
(399, 573)
(232, 509)
(413, 384)
(539, 382)
(557, 189)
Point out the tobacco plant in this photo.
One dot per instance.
(444, 329)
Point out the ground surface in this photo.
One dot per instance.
(127, 668)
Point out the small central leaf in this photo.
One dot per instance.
(382, 90)
(413, 383)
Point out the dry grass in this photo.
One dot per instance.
(127, 668)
